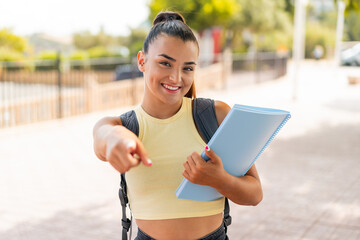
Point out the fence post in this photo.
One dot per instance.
(227, 62)
(58, 68)
(257, 66)
(92, 92)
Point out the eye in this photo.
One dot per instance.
(165, 64)
(189, 69)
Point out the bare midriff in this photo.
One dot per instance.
(180, 228)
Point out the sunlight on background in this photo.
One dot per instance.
(64, 17)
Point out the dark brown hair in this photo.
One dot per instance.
(172, 24)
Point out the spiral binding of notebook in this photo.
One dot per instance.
(272, 137)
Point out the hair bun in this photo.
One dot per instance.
(168, 16)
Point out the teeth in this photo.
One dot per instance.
(170, 88)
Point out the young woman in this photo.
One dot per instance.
(169, 137)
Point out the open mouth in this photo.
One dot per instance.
(170, 88)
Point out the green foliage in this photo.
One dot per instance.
(99, 52)
(12, 46)
(199, 14)
(7, 54)
(275, 41)
(317, 34)
(328, 18)
(48, 55)
(352, 27)
(79, 55)
(12, 41)
(351, 6)
(290, 8)
(86, 40)
(78, 60)
(262, 16)
(48, 60)
(135, 41)
(267, 24)
(89, 46)
(269, 19)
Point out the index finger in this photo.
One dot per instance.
(141, 152)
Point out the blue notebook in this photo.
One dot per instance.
(240, 139)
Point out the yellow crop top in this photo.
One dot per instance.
(151, 190)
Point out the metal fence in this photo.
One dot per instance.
(259, 67)
(33, 91)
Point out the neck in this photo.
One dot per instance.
(160, 110)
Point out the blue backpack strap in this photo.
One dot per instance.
(206, 121)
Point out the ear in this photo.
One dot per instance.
(141, 61)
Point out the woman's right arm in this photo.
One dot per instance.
(117, 145)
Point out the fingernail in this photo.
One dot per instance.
(136, 156)
(149, 162)
(207, 148)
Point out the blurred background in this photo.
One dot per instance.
(65, 64)
(63, 59)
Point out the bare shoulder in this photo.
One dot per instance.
(221, 110)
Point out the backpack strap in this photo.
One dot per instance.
(205, 117)
(125, 222)
(129, 121)
(206, 121)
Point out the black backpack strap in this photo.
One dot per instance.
(125, 222)
(205, 117)
(206, 121)
(227, 217)
(129, 121)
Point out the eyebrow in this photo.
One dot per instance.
(174, 60)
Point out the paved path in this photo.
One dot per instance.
(53, 187)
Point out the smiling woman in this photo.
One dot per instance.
(163, 129)
(168, 69)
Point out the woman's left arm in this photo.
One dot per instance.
(245, 190)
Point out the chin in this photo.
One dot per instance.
(172, 99)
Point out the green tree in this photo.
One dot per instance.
(12, 47)
(199, 14)
(7, 54)
(85, 40)
(264, 20)
(290, 8)
(350, 6)
(261, 16)
(12, 41)
(135, 40)
(352, 29)
(99, 52)
(317, 34)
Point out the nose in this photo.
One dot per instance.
(175, 76)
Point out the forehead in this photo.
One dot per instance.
(173, 46)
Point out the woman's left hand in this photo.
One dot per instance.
(202, 172)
